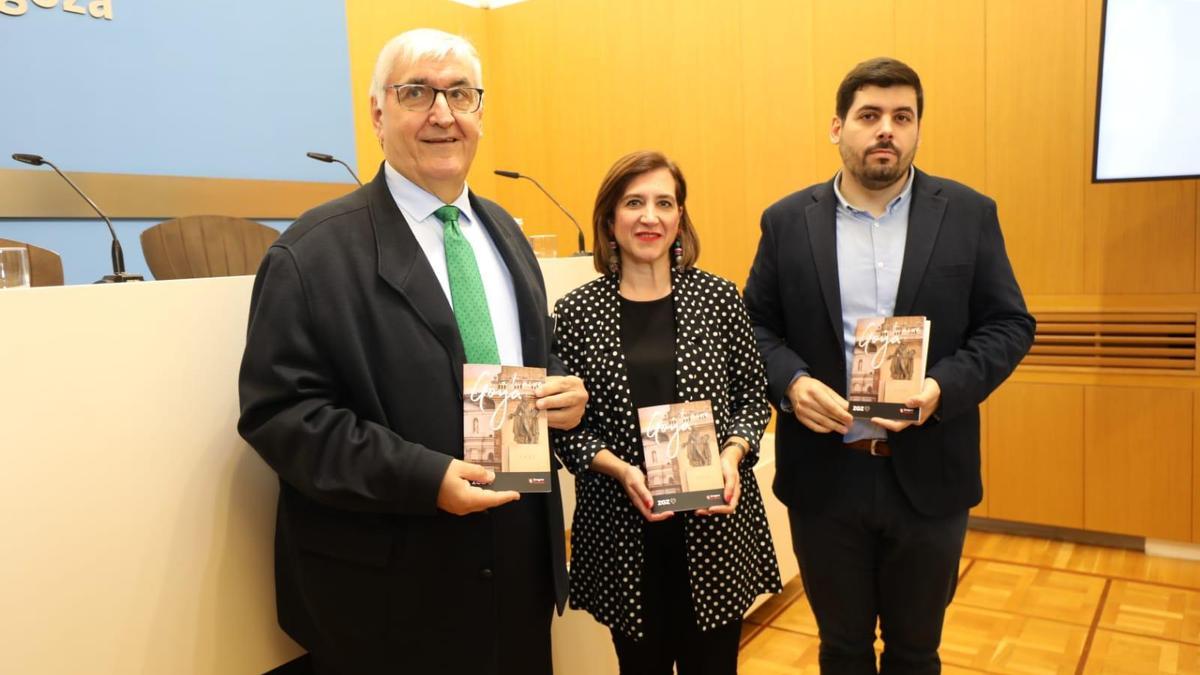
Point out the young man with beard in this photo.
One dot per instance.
(878, 509)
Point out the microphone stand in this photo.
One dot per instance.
(119, 274)
(582, 250)
(322, 157)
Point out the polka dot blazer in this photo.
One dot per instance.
(731, 559)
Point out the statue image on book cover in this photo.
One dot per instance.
(900, 343)
(502, 428)
(683, 468)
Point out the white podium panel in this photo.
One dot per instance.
(138, 526)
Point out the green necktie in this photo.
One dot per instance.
(466, 292)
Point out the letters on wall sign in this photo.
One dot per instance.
(97, 9)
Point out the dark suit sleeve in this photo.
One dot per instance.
(556, 367)
(554, 363)
(1000, 329)
(749, 411)
(577, 447)
(291, 412)
(765, 308)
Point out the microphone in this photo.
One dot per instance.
(119, 274)
(513, 174)
(329, 159)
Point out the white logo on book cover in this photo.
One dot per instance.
(662, 424)
(881, 338)
(500, 392)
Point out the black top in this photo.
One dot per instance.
(648, 340)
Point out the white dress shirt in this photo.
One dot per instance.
(418, 207)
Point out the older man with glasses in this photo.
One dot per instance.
(389, 556)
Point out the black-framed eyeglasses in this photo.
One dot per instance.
(421, 97)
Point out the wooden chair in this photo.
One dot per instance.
(45, 266)
(205, 246)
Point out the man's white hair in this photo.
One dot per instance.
(420, 44)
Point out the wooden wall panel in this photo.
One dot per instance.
(573, 84)
(531, 95)
(709, 147)
(779, 113)
(1195, 468)
(1036, 454)
(1141, 237)
(1036, 137)
(944, 43)
(1138, 461)
(849, 33)
(669, 76)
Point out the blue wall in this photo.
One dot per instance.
(220, 88)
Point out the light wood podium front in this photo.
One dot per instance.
(138, 527)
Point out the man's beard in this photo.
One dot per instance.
(876, 176)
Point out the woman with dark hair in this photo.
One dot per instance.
(655, 330)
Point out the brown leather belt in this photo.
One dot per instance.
(877, 447)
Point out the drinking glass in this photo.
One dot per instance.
(544, 245)
(14, 267)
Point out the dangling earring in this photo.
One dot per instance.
(614, 258)
(677, 254)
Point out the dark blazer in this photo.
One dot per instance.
(351, 390)
(730, 558)
(955, 272)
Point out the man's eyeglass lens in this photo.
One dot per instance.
(420, 97)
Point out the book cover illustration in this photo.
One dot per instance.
(683, 461)
(888, 366)
(502, 428)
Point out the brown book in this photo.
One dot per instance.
(502, 428)
(683, 461)
(888, 366)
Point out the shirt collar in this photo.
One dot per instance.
(413, 199)
(899, 199)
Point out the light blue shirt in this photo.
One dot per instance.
(418, 207)
(870, 252)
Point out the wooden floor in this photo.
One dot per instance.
(1027, 606)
